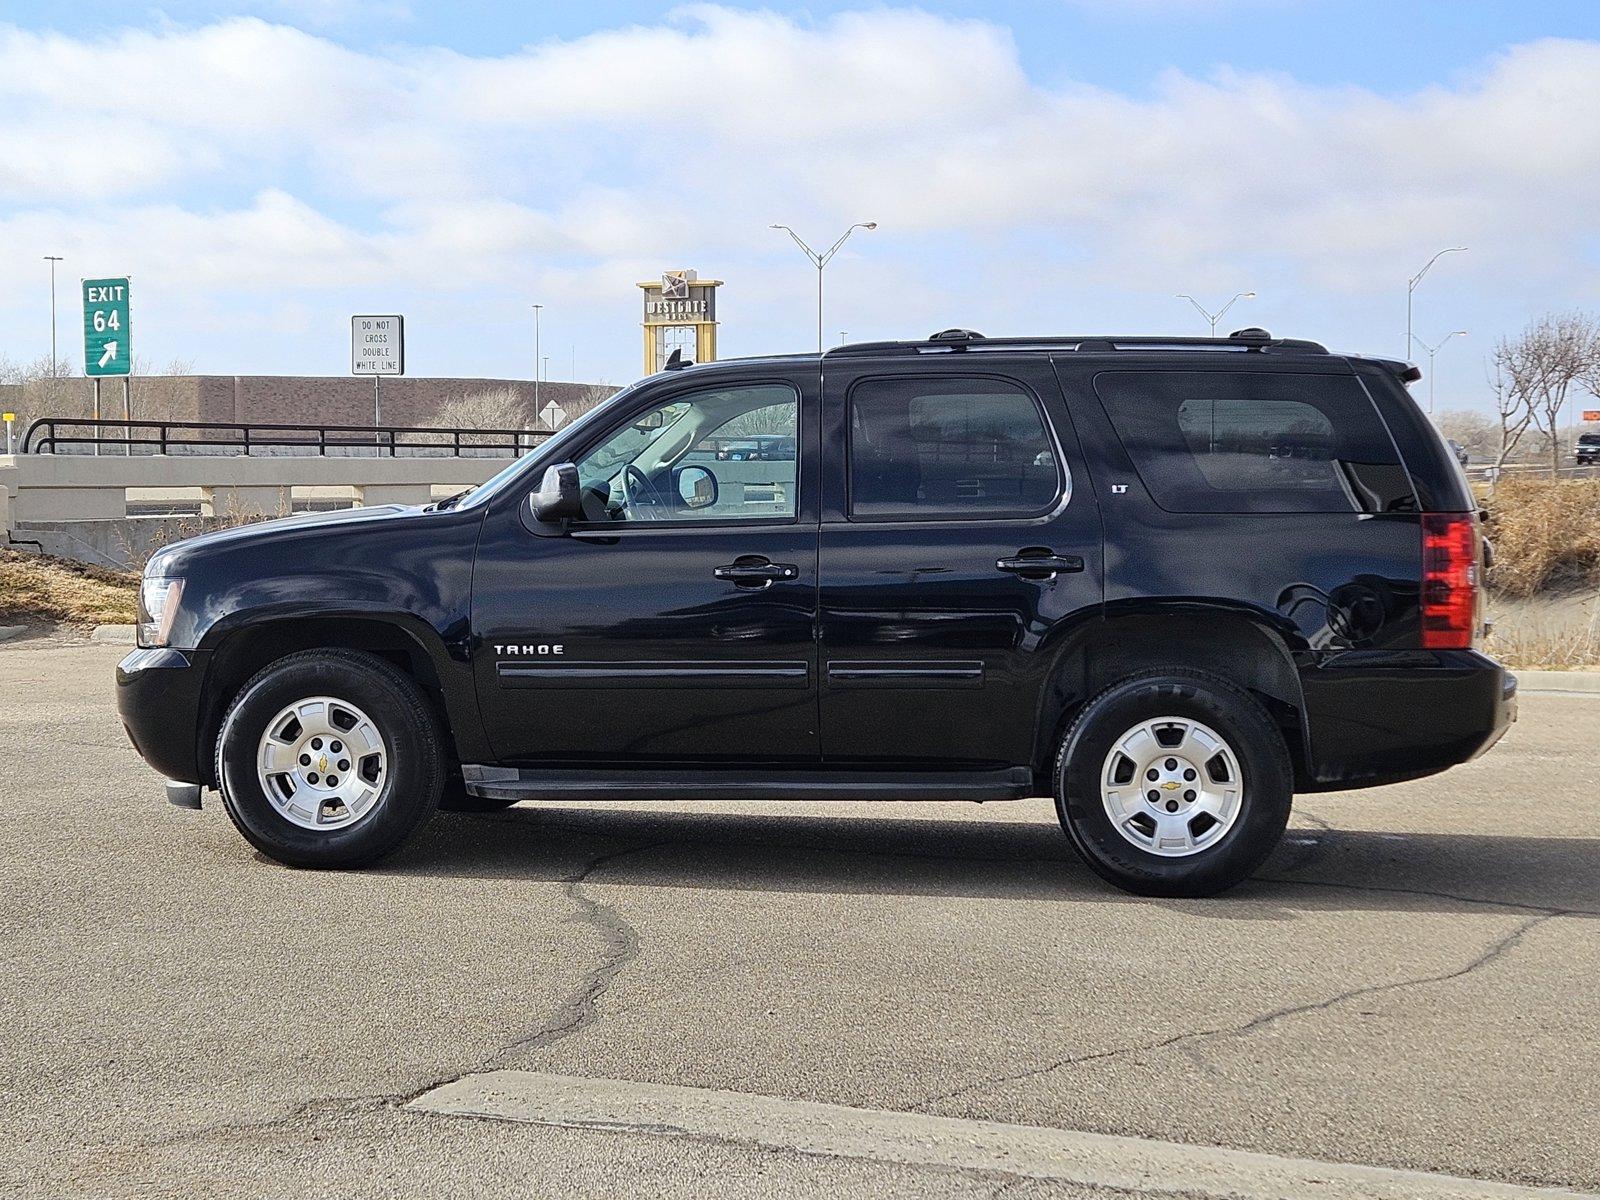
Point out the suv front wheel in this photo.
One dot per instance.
(1174, 783)
(329, 758)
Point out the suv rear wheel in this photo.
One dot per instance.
(329, 758)
(1174, 783)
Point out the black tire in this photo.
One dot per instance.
(1235, 716)
(414, 776)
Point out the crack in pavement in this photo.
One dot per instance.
(1378, 888)
(576, 1013)
(622, 946)
(1498, 949)
(579, 1011)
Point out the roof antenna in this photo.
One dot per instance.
(676, 361)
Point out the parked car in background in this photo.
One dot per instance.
(1587, 449)
(1460, 452)
(775, 447)
(765, 447)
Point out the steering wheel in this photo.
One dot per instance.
(635, 485)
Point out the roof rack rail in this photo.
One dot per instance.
(1251, 340)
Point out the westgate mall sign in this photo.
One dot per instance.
(676, 309)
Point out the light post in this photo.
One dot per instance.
(536, 309)
(821, 260)
(1432, 351)
(1411, 288)
(52, 259)
(1221, 312)
(844, 336)
(547, 366)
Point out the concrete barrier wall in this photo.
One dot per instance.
(52, 487)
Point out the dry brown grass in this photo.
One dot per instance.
(36, 587)
(1546, 533)
(1559, 632)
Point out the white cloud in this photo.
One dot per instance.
(250, 151)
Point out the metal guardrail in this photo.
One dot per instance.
(1485, 471)
(72, 435)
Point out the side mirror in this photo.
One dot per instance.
(558, 498)
(697, 487)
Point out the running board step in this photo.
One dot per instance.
(511, 783)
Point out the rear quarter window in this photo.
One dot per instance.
(946, 448)
(1255, 442)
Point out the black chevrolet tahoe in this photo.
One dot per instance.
(1168, 581)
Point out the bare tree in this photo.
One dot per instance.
(1511, 402)
(592, 396)
(45, 388)
(1475, 432)
(155, 397)
(491, 408)
(1539, 367)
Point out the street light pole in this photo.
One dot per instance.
(821, 260)
(1432, 351)
(52, 259)
(536, 309)
(1221, 312)
(1411, 288)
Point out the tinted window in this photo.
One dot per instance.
(721, 455)
(1215, 441)
(948, 447)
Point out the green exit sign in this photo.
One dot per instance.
(107, 341)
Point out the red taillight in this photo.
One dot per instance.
(1449, 580)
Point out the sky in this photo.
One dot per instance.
(264, 170)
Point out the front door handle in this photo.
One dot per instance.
(753, 571)
(1039, 564)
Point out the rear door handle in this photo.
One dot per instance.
(756, 572)
(1039, 565)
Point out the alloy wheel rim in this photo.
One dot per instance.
(322, 763)
(1172, 786)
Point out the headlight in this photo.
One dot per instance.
(158, 605)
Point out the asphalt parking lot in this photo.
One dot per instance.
(1411, 984)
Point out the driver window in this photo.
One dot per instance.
(723, 455)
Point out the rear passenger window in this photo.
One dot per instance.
(1262, 442)
(949, 448)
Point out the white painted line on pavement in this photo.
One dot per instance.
(915, 1139)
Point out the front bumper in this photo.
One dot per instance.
(159, 697)
(1380, 717)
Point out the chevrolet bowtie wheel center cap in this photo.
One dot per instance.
(322, 763)
(1172, 786)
